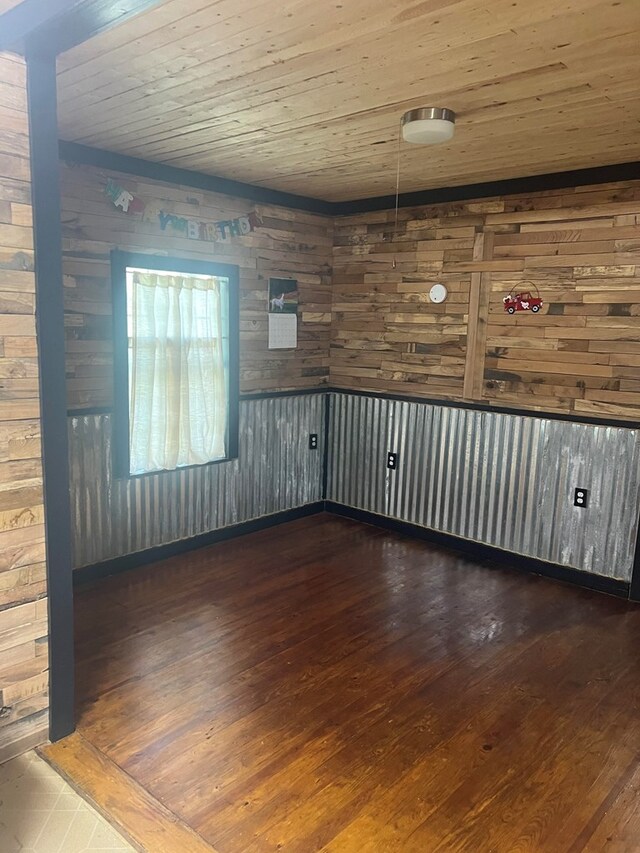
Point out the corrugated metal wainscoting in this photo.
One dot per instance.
(275, 471)
(505, 480)
(501, 479)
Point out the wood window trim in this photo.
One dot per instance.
(120, 262)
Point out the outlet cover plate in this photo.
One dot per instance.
(581, 498)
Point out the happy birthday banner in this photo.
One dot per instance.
(191, 228)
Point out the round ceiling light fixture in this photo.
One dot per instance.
(428, 125)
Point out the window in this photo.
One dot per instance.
(175, 363)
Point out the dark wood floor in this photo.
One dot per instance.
(328, 686)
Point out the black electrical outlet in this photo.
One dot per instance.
(581, 498)
(313, 441)
(392, 461)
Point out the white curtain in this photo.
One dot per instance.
(177, 388)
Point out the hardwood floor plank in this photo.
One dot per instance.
(515, 734)
(469, 773)
(615, 825)
(412, 706)
(332, 687)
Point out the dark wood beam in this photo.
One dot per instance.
(45, 169)
(509, 186)
(73, 152)
(634, 590)
(30, 15)
(58, 25)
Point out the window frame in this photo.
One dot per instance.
(120, 262)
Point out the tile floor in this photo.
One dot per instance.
(40, 813)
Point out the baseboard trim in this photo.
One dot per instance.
(480, 551)
(97, 571)
(477, 550)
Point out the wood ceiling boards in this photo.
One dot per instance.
(306, 97)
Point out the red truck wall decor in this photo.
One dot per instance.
(525, 300)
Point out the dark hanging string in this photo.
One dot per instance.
(395, 226)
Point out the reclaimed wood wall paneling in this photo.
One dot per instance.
(580, 247)
(23, 583)
(290, 244)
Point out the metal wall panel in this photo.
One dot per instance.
(275, 471)
(505, 480)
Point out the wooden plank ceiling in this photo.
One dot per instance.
(306, 97)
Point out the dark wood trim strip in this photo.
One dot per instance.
(73, 152)
(233, 372)
(486, 407)
(120, 334)
(634, 588)
(18, 23)
(481, 552)
(45, 169)
(511, 186)
(407, 398)
(88, 574)
(295, 392)
(58, 25)
(325, 437)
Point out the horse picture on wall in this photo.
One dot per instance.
(283, 296)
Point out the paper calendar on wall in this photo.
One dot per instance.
(283, 331)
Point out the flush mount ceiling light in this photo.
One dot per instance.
(423, 126)
(428, 125)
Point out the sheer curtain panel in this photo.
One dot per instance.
(178, 397)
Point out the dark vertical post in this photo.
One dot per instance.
(634, 589)
(325, 452)
(43, 125)
(233, 313)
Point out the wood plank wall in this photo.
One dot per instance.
(579, 247)
(290, 244)
(387, 335)
(23, 604)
